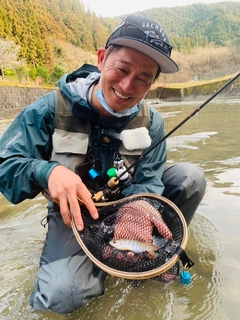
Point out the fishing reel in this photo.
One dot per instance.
(119, 178)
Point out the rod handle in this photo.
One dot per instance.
(113, 182)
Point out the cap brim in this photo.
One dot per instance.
(166, 64)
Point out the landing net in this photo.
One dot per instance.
(150, 230)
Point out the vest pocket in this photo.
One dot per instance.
(69, 148)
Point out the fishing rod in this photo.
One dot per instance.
(112, 189)
(141, 157)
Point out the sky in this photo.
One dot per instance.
(110, 8)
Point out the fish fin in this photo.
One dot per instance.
(152, 250)
(152, 253)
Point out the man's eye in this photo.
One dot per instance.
(144, 81)
(122, 70)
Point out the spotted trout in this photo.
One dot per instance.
(134, 246)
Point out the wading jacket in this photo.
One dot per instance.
(59, 128)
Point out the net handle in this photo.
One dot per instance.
(136, 275)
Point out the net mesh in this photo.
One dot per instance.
(134, 235)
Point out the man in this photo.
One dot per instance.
(92, 122)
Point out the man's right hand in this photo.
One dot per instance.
(65, 188)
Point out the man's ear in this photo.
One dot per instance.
(101, 55)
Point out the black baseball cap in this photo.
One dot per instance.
(147, 36)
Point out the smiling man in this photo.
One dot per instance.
(125, 80)
(89, 125)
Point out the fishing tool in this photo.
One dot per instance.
(152, 220)
(147, 218)
(196, 111)
(112, 188)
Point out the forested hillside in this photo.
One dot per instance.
(33, 24)
(47, 30)
(200, 24)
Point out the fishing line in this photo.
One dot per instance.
(141, 157)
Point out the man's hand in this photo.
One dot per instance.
(65, 187)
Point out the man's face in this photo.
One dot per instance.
(126, 77)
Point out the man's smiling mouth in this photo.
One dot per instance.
(119, 95)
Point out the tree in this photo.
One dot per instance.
(43, 73)
(56, 74)
(8, 54)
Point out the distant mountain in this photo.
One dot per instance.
(35, 25)
(200, 24)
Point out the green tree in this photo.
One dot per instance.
(56, 74)
(43, 73)
(32, 73)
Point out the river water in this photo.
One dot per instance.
(209, 139)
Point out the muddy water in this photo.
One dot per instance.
(211, 140)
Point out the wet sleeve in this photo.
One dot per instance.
(25, 150)
(147, 177)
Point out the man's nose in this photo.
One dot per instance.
(127, 84)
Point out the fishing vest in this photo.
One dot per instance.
(71, 138)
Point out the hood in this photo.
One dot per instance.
(80, 89)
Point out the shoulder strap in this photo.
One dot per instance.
(64, 119)
(142, 119)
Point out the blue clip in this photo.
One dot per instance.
(93, 173)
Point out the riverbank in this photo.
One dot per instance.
(14, 98)
(196, 90)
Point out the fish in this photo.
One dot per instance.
(134, 246)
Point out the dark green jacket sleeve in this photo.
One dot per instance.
(25, 150)
(148, 174)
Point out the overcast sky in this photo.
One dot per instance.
(110, 8)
